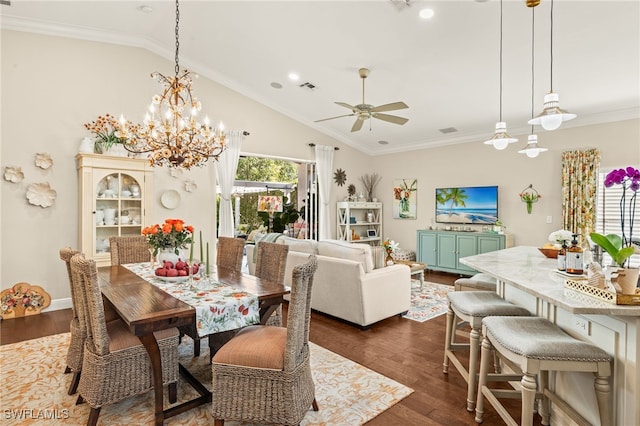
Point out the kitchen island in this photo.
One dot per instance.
(529, 279)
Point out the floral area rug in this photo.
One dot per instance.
(427, 302)
(34, 389)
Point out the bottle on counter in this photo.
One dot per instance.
(575, 257)
(562, 256)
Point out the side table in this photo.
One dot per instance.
(417, 268)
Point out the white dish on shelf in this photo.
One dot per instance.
(172, 279)
(170, 199)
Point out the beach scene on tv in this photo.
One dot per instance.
(472, 205)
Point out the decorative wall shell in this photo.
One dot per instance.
(13, 174)
(190, 185)
(44, 160)
(41, 194)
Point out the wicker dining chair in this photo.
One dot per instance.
(129, 249)
(263, 374)
(115, 364)
(230, 253)
(78, 332)
(271, 263)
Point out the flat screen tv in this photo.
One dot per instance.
(467, 204)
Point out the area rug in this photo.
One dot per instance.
(34, 389)
(427, 302)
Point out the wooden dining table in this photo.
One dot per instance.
(146, 308)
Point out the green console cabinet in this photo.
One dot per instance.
(442, 250)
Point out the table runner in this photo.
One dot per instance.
(219, 307)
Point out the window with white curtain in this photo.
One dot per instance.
(608, 214)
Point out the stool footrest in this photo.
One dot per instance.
(566, 408)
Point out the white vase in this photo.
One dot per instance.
(170, 255)
(117, 150)
(86, 146)
(628, 279)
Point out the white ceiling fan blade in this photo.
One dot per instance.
(338, 116)
(352, 108)
(390, 118)
(358, 124)
(390, 107)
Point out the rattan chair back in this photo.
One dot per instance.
(230, 253)
(129, 249)
(76, 328)
(299, 314)
(271, 261)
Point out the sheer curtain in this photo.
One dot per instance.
(227, 167)
(579, 189)
(324, 165)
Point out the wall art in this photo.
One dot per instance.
(405, 197)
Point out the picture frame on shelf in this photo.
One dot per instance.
(371, 233)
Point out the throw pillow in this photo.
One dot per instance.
(378, 254)
(350, 251)
(303, 246)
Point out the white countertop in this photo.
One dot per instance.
(529, 270)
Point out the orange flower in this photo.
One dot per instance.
(166, 228)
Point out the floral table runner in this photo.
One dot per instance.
(219, 307)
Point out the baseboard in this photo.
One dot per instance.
(59, 304)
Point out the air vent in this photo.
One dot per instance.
(5, 2)
(308, 85)
(448, 130)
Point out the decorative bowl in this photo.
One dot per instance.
(551, 253)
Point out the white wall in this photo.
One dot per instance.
(51, 86)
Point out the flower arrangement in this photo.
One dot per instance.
(529, 196)
(173, 233)
(390, 246)
(106, 131)
(621, 248)
(403, 193)
(560, 236)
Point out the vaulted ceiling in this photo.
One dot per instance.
(446, 68)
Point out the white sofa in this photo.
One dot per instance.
(346, 285)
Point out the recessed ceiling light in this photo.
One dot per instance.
(294, 76)
(145, 8)
(383, 142)
(426, 13)
(276, 85)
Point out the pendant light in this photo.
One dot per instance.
(500, 139)
(551, 116)
(532, 149)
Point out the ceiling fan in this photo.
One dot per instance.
(365, 111)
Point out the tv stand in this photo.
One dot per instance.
(442, 250)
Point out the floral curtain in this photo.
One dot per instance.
(579, 188)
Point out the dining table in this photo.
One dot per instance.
(221, 302)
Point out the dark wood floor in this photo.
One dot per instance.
(406, 351)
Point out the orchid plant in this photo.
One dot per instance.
(620, 248)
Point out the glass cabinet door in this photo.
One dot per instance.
(118, 207)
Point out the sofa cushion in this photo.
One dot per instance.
(357, 252)
(303, 246)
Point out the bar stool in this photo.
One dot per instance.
(475, 283)
(472, 307)
(537, 346)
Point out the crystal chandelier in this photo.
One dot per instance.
(166, 135)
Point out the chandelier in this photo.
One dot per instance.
(166, 135)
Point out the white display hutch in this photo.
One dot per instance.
(114, 200)
(363, 219)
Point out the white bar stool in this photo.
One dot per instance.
(472, 307)
(537, 346)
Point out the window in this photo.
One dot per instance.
(608, 215)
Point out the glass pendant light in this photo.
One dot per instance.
(532, 149)
(552, 116)
(500, 139)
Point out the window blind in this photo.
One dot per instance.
(608, 215)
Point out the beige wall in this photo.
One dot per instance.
(51, 86)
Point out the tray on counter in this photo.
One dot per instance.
(582, 286)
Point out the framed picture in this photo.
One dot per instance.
(371, 233)
(269, 203)
(405, 196)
